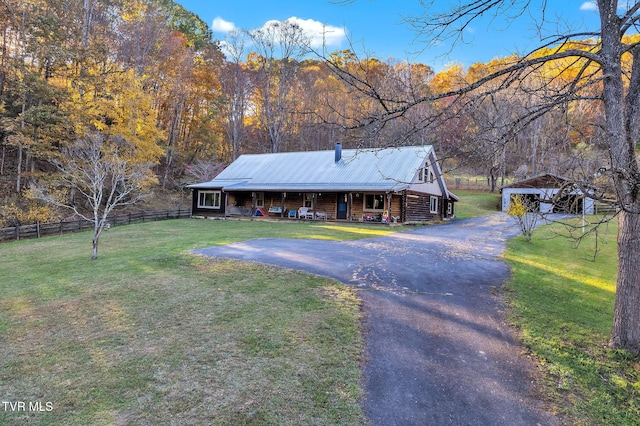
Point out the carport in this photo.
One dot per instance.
(540, 192)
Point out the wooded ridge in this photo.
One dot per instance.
(150, 73)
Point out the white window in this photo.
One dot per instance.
(449, 208)
(209, 199)
(308, 199)
(259, 199)
(433, 204)
(424, 173)
(374, 202)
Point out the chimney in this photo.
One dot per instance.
(338, 152)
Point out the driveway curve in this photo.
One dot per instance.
(438, 350)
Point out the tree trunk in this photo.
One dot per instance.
(94, 252)
(96, 239)
(622, 131)
(19, 170)
(626, 320)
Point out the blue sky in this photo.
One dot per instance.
(376, 26)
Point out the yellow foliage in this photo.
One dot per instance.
(118, 106)
(517, 207)
(133, 10)
(447, 80)
(33, 212)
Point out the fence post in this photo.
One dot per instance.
(17, 232)
(38, 228)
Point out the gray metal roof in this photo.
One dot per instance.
(389, 169)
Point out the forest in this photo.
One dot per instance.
(146, 79)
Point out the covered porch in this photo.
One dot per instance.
(358, 206)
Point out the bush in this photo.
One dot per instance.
(522, 210)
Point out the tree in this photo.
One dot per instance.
(593, 67)
(236, 89)
(279, 48)
(524, 212)
(103, 171)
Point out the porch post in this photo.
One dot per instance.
(283, 201)
(349, 207)
(254, 201)
(314, 204)
(389, 207)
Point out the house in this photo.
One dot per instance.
(548, 193)
(402, 184)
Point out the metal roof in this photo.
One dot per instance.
(388, 169)
(545, 180)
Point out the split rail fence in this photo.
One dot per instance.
(38, 230)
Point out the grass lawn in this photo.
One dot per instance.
(561, 299)
(149, 334)
(476, 203)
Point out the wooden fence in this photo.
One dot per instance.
(38, 230)
(474, 182)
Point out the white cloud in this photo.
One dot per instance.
(317, 32)
(589, 6)
(221, 26)
(592, 6)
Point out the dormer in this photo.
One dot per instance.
(426, 174)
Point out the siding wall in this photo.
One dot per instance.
(200, 211)
(418, 208)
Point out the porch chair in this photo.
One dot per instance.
(304, 213)
(321, 215)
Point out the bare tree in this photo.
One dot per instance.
(236, 89)
(598, 62)
(279, 47)
(204, 170)
(105, 172)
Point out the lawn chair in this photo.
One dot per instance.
(304, 213)
(321, 215)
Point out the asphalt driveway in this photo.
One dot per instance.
(438, 349)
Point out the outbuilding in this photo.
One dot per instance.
(548, 193)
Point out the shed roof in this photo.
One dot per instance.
(546, 180)
(388, 169)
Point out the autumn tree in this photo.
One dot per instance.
(31, 40)
(526, 214)
(598, 72)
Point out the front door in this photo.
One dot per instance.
(342, 206)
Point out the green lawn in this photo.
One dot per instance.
(561, 299)
(149, 334)
(476, 203)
